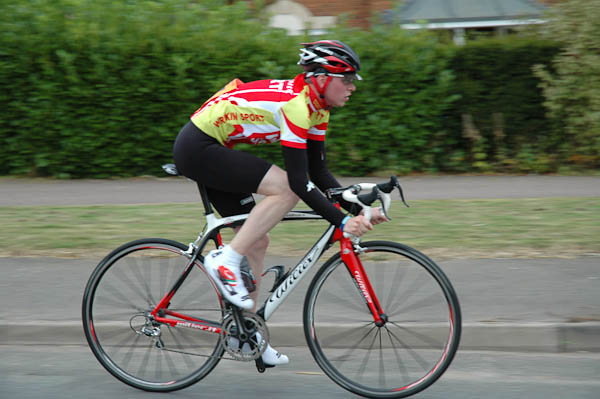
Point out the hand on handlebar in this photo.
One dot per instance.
(377, 216)
(357, 226)
(368, 216)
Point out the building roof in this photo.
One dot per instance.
(469, 13)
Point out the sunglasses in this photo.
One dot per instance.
(347, 78)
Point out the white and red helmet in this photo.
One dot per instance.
(329, 57)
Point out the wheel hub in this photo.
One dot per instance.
(383, 319)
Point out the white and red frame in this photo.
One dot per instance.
(348, 246)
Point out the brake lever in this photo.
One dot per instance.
(397, 185)
(377, 195)
(383, 207)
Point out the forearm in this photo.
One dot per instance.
(320, 174)
(296, 165)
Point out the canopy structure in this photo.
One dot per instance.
(459, 15)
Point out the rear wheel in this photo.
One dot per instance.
(406, 354)
(122, 291)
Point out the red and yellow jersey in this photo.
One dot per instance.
(264, 111)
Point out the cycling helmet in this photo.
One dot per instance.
(329, 57)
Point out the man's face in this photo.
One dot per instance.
(339, 91)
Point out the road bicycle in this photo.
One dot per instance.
(381, 319)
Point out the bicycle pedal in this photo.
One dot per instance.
(261, 366)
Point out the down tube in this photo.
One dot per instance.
(297, 274)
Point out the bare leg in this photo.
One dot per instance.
(279, 200)
(256, 259)
(252, 237)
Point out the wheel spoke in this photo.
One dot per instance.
(170, 364)
(194, 296)
(395, 286)
(337, 337)
(158, 372)
(116, 293)
(181, 346)
(432, 300)
(144, 363)
(124, 335)
(123, 278)
(128, 349)
(395, 357)
(352, 297)
(365, 361)
(410, 350)
(399, 362)
(424, 338)
(347, 354)
(413, 287)
(111, 337)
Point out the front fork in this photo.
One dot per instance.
(356, 269)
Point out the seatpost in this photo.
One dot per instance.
(205, 201)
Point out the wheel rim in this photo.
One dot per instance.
(130, 344)
(405, 355)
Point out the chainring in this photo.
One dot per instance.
(248, 350)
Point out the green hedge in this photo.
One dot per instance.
(572, 85)
(499, 123)
(101, 88)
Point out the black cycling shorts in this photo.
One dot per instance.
(230, 176)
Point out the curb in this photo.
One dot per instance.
(510, 337)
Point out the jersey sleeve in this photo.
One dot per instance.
(320, 174)
(296, 166)
(319, 121)
(295, 123)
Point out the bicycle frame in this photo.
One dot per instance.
(416, 340)
(280, 293)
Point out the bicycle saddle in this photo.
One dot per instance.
(171, 169)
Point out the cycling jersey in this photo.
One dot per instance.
(264, 111)
(268, 111)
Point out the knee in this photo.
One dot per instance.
(276, 184)
(290, 197)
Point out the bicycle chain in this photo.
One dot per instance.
(196, 354)
(234, 354)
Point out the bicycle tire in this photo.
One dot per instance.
(128, 283)
(419, 340)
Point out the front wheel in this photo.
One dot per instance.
(121, 331)
(406, 354)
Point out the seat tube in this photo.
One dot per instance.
(361, 279)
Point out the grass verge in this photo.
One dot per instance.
(554, 227)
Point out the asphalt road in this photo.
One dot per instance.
(69, 372)
(494, 293)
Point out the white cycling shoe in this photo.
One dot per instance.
(228, 279)
(271, 356)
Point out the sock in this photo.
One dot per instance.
(231, 257)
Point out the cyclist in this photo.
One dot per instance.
(293, 112)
